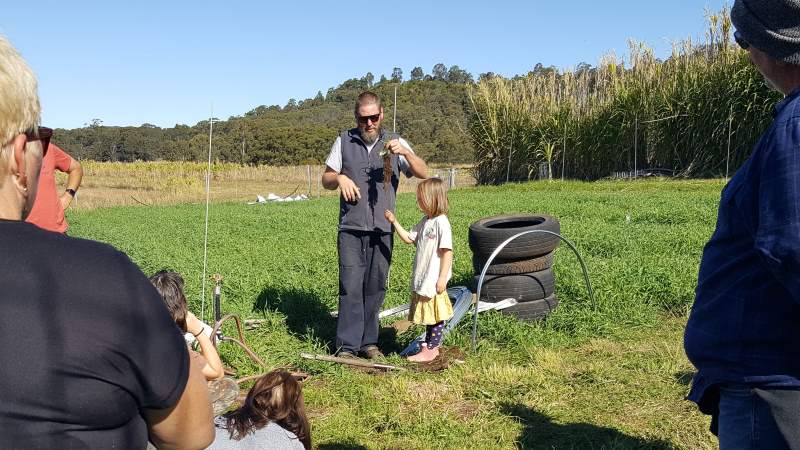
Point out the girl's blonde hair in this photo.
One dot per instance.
(432, 197)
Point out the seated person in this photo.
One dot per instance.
(273, 416)
(170, 286)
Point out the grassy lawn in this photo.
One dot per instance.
(610, 377)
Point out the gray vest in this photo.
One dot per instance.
(366, 171)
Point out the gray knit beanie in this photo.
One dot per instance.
(772, 26)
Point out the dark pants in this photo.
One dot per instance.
(751, 419)
(364, 260)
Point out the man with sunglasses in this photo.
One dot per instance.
(743, 333)
(91, 358)
(49, 207)
(355, 165)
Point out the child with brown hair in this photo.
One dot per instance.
(272, 416)
(170, 286)
(433, 262)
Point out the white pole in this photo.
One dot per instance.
(308, 174)
(208, 198)
(394, 113)
(728, 156)
(564, 152)
(635, 143)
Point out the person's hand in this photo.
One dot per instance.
(66, 200)
(441, 286)
(389, 216)
(349, 190)
(395, 147)
(193, 324)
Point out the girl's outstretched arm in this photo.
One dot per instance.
(212, 370)
(398, 228)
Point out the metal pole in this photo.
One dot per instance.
(394, 112)
(564, 152)
(508, 170)
(319, 183)
(308, 174)
(728, 156)
(217, 304)
(635, 143)
(205, 232)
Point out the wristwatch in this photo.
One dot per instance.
(71, 192)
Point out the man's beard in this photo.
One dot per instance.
(369, 138)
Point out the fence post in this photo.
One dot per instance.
(452, 183)
(308, 174)
(635, 142)
(319, 183)
(564, 152)
(508, 170)
(728, 156)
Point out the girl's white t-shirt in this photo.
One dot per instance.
(429, 235)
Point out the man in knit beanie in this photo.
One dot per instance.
(743, 334)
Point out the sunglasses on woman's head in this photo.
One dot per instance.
(40, 134)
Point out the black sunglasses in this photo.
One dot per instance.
(374, 118)
(40, 134)
(740, 40)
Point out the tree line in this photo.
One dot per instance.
(432, 114)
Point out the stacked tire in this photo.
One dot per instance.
(523, 268)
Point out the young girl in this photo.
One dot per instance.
(433, 262)
(170, 286)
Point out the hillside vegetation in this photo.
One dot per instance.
(431, 115)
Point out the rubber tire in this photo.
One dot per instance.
(523, 287)
(486, 234)
(513, 267)
(535, 310)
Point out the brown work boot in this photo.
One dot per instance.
(371, 352)
(346, 354)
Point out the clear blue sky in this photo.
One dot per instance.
(167, 62)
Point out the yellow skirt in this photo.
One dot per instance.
(430, 311)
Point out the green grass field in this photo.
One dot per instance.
(609, 378)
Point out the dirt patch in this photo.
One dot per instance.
(446, 358)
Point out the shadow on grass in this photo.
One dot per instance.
(541, 433)
(341, 447)
(306, 313)
(684, 377)
(463, 279)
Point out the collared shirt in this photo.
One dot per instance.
(745, 323)
(334, 160)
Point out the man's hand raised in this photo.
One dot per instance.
(395, 147)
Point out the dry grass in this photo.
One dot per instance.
(108, 184)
